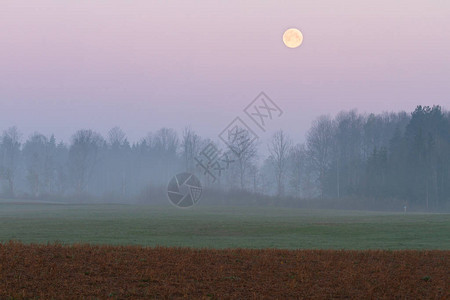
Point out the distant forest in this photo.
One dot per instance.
(400, 159)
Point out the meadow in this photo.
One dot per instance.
(221, 227)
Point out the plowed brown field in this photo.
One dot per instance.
(83, 271)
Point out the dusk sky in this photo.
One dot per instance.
(143, 65)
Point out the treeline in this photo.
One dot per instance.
(389, 156)
(384, 158)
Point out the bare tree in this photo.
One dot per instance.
(279, 148)
(61, 168)
(166, 141)
(348, 150)
(297, 168)
(319, 144)
(116, 137)
(190, 145)
(39, 154)
(166, 145)
(255, 177)
(83, 157)
(244, 149)
(10, 152)
(117, 160)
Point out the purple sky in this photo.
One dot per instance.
(142, 65)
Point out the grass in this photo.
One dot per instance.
(222, 227)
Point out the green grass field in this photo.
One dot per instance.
(222, 227)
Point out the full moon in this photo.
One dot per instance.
(292, 38)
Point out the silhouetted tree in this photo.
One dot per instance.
(280, 147)
(10, 156)
(83, 157)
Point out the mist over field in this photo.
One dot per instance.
(367, 161)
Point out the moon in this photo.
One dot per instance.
(292, 38)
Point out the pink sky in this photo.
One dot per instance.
(142, 65)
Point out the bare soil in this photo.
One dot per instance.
(85, 271)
